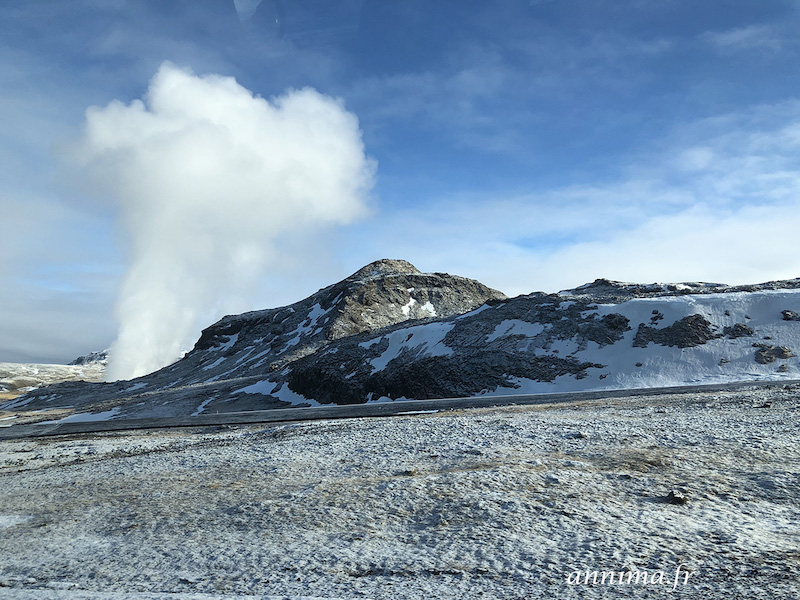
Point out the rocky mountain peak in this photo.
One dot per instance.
(379, 295)
(384, 267)
(93, 357)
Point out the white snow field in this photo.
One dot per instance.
(716, 361)
(505, 503)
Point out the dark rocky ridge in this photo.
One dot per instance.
(478, 363)
(687, 332)
(381, 294)
(608, 291)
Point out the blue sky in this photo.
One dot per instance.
(533, 145)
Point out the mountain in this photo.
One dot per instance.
(390, 331)
(95, 358)
(18, 378)
(254, 345)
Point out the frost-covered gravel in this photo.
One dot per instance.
(490, 503)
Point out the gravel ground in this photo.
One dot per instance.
(483, 503)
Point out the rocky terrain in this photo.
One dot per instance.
(389, 332)
(18, 378)
(503, 504)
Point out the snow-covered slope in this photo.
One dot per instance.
(18, 378)
(542, 343)
(458, 505)
(390, 332)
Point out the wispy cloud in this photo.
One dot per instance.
(719, 200)
(505, 95)
(753, 37)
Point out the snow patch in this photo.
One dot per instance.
(305, 326)
(230, 342)
(216, 363)
(202, 406)
(472, 313)
(265, 387)
(268, 387)
(85, 417)
(287, 395)
(370, 343)
(515, 327)
(429, 338)
(134, 387)
(406, 308)
(11, 520)
(429, 308)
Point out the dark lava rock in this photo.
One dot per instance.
(409, 376)
(480, 354)
(737, 330)
(687, 332)
(769, 354)
(677, 496)
(790, 315)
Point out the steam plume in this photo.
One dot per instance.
(207, 176)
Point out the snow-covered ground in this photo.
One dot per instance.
(721, 360)
(485, 503)
(18, 378)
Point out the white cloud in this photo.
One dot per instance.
(752, 37)
(208, 177)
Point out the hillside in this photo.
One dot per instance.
(486, 503)
(389, 332)
(18, 378)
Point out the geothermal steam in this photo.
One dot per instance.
(207, 176)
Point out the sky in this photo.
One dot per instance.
(175, 161)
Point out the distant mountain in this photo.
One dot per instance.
(389, 331)
(92, 358)
(18, 378)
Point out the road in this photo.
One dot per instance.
(378, 409)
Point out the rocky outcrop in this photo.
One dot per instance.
(687, 332)
(93, 357)
(462, 356)
(767, 354)
(606, 290)
(737, 330)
